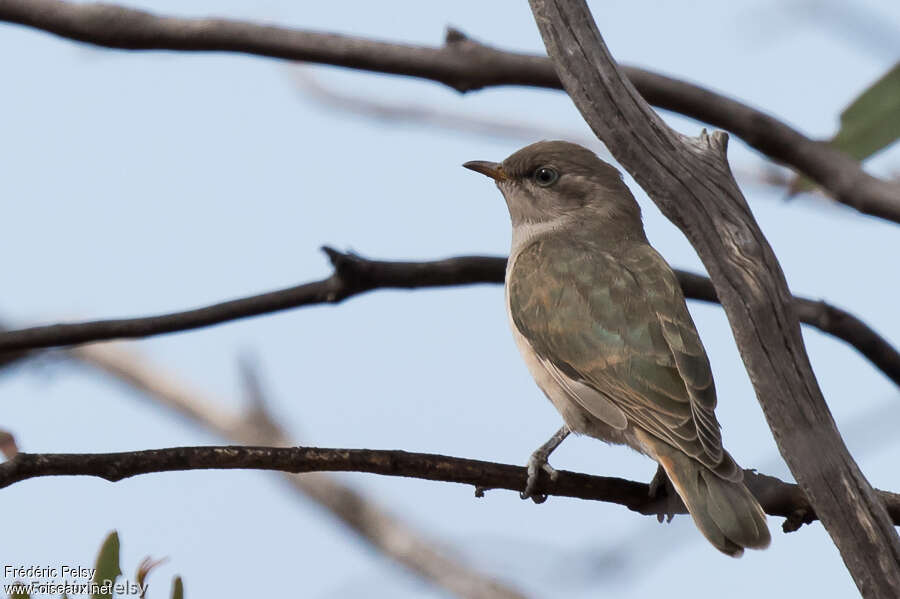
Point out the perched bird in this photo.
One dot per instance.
(601, 322)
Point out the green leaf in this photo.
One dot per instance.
(178, 588)
(871, 123)
(19, 594)
(107, 566)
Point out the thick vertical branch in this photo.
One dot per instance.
(689, 179)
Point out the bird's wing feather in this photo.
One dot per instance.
(619, 325)
(587, 397)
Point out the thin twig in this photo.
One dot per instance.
(421, 114)
(763, 174)
(354, 275)
(462, 64)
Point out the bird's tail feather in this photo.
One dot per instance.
(727, 514)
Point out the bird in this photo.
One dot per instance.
(602, 324)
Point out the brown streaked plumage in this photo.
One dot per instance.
(604, 329)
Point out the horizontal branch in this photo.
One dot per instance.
(819, 314)
(354, 275)
(462, 64)
(777, 497)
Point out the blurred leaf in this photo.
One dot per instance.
(872, 122)
(869, 124)
(178, 588)
(107, 565)
(19, 595)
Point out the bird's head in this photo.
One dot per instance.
(555, 181)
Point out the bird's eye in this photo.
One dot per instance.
(545, 176)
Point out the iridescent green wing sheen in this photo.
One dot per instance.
(615, 319)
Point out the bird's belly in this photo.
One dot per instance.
(575, 417)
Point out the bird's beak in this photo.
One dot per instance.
(494, 170)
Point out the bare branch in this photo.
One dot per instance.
(354, 275)
(462, 64)
(361, 514)
(778, 498)
(690, 180)
(821, 315)
(11, 358)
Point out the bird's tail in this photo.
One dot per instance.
(725, 511)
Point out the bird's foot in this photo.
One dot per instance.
(665, 497)
(536, 463)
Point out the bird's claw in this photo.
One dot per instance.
(662, 490)
(536, 463)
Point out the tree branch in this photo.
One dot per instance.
(354, 275)
(462, 64)
(778, 498)
(361, 514)
(821, 315)
(690, 180)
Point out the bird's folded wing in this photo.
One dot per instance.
(596, 403)
(620, 326)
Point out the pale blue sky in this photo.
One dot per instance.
(138, 183)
